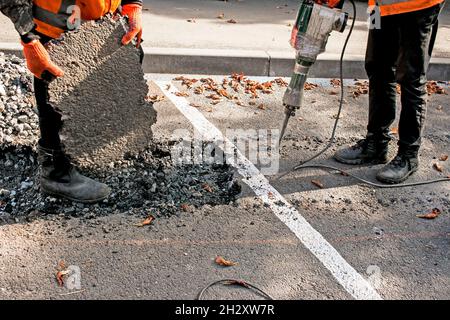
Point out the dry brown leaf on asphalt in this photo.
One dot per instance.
(155, 98)
(199, 90)
(148, 221)
(281, 82)
(262, 107)
(335, 82)
(207, 188)
(434, 87)
(310, 86)
(60, 277)
(394, 130)
(191, 20)
(224, 263)
(182, 94)
(221, 16)
(239, 77)
(186, 208)
(231, 21)
(318, 184)
(168, 87)
(195, 105)
(223, 93)
(438, 167)
(431, 215)
(213, 97)
(443, 157)
(439, 108)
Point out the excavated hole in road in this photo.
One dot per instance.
(142, 184)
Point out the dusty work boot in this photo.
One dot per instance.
(61, 179)
(367, 150)
(399, 169)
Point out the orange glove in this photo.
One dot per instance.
(330, 3)
(38, 60)
(134, 13)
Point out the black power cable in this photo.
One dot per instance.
(240, 283)
(331, 142)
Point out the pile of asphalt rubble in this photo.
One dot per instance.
(142, 184)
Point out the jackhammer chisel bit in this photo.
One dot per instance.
(313, 26)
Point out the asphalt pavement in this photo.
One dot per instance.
(308, 235)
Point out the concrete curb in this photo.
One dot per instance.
(255, 63)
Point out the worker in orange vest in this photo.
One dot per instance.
(398, 51)
(39, 21)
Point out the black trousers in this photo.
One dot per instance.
(400, 52)
(50, 118)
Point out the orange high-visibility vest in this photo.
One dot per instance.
(390, 7)
(51, 16)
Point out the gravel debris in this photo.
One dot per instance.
(141, 184)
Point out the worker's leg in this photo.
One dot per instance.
(381, 57)
(417, 34)
(417, 37)
(49, 118)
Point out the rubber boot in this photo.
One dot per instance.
(400, 168)
(59, 178)
(365, 151)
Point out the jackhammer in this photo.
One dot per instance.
(313, 26)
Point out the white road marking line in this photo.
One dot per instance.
(354, 283)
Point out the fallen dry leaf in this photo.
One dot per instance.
(318, 184)
(191, 20)
(281, 82)
(182, 94)
(335, 82)
(431, 215)
(60, 276)
(434, 87)
(231, 21)
(146, 222)
(207, 188)
(438, 167)
(155, 98)
(186, 208)
(224, 263)
(444, 157)
(360, 88)
(262, 107)
(310, 86)
(394, 130)
(221, 16)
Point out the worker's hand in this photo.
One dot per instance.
(38, 61)
(134, 13)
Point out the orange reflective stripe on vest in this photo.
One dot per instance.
(51, 16)
(390, 7)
